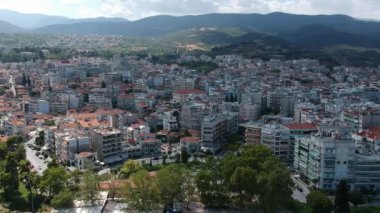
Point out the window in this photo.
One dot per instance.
(338, 162)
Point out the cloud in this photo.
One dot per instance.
(136, 9)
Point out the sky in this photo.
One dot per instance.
(137, 9)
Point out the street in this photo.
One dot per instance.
(299, 195)
(38, 164)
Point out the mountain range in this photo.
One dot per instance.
(317, 30)
(321, 32)
(32, 21)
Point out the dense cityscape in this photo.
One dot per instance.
(103, 123)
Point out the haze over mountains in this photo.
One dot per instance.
(322, 30)
(328, 33)
(31, 21)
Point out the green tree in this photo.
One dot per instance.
(6, 183)
(114, 185)
(169, 182)
(189, 188)
(211, 186)
(255, 156)
(356, 197)
(74, 180)
(184, 156)
(63, 199)
(141, 192)
(11, 169)
(319, 202)
(53, 181)
(341, 197)
(13, 143)
(275, 185)
(186, 133)
(129, 168)
(89, 189)
(85, 98)
(3, 151)
(243, 180)
(40, 140)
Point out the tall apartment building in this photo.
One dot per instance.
(36, 106)
(108, 144)
(274, 99)
(367, 172)
(170, 122)
(298, 130)
(126, 102)
(252, 133)
(287, 105)
(192, 114)
(181, 83)
(215, 130)
(59, 107)
(277, 139)
(327, 157)
(302, 111)
(361, 119)
(69, 143)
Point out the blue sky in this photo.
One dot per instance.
(136, 9)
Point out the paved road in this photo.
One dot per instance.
(297, 194)
(33, 159)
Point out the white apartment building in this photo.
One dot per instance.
(70, 143)
(326, 158)
(135, 130)
(170, 123)
(276, 138)
(36, 106)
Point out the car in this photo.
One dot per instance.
(39, 167)
(156, 158)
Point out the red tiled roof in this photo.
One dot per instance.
(372, 133)
(84, 154)
(301, 126)
(190, 140)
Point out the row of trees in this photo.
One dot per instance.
(12, 168)
(55, 187)
(252, 178)
(321, 203)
